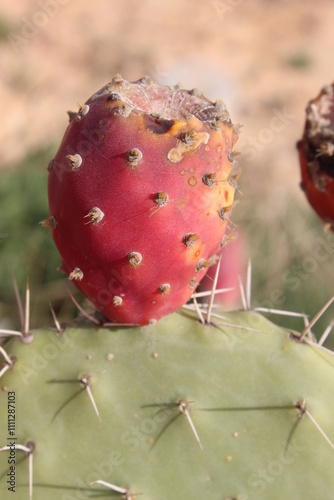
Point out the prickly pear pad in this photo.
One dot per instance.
(185, 411)
(140, 194)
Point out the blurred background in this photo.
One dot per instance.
(264, 58)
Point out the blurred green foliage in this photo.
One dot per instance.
(5, 28)
(299, 61)
(26, 248)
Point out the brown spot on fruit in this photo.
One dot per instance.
(158, 125)
(192, 181)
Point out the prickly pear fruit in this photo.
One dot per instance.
(176, 410)
(316, 152)
(140, 194)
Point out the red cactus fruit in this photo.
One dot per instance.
(316, 153)
(140, 194)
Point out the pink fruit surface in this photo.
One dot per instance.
(234, 256)
(140, 194)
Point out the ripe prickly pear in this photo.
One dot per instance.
(316, 152)
(140, 194)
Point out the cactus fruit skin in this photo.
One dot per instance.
(140, 193)
(316, 153)
(242, 389)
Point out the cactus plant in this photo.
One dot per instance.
(316, 152)
(201, 404)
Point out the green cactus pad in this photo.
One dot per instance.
(256, 419)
